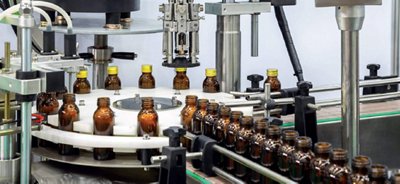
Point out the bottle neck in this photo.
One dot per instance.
(303, 149)
(289, 142)
(360, 170)
(260, 131)
(113, 75)
(341, 163)
(181, 73)
(272, 77)
(212, 112)
(322, 155)
(146, 73)
(81, 79)
(191, 101)
(211, 77)
(273, 137)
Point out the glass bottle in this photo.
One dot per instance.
(219, 130)
(210, 119)
(211, 84)
(147, 125)
(199, 116)
(233, 128)
(221, 126)
(337, 172)
(256, 143)
(67, 115)
(103, 119)
(47, 103)
(243, 137)
(285, 151)
(361, 168)
(82, 85)
(300, 160)
(61, 93)
(272, 79)
(112, 81)
(379, 174)
(395, 178)
(186, 118)
(146, 80)
(269, 154)
(181, 80)
(322, 151)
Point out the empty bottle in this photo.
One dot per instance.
(147, 125)
(269, 154)
(103, 119)
(211, 84)
(146, 80)
(242, 143)
(221, 126)
(322, 151)
(181, 80)
(256, 144)
(199, 116)
(47, 103)
(272, 79)
(337, 172)
(112, 81)
(67, 115)
(379, 174)
(285, 151)
(82, 85)
(233, 128)
(301, 159)
(210, 119)
(361, 169)
(186, 118)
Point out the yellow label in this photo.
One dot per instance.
(211, 72)
(180, 69)
(112, 70)
(82, 74)
(272, 72)
(147, 68)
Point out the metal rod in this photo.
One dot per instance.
(189, 156)
(350, 92)
(363, 99)
(227, 176)
(7, 55)
(254, 35)
(395, 37)
(267, 92)
(17, 130)
(253, 166)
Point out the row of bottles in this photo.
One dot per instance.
(282, 151)
(82, 85)
(103, 119)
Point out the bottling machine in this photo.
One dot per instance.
(28, 140)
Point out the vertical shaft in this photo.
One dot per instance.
(254, 35)
(99, 71)
(350, 92)
(228, 48)
(395, 37)
(26, 107)
(267, 93)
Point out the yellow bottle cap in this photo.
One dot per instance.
(211, 72)
(180, 69)
(147, 68)
(112, 70)
(272, 72)
(82, 74)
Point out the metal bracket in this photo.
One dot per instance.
(8, 82)
(237, 8)
(327, 3)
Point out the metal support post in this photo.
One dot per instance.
(395, 37)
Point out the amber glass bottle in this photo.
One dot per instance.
(361, 169)
(103, 119)
(395, 178)
(199, 116)
(67, 115)
(61, 93)
(146, 80)
(337, 172)
(112, 81)
(181, 80)
(233, 128)
(186, 118)
(322, 151)
(285, 151)
(269, 154)
(300, 160)
(219, 130)
(379, 174)
(211, 84)
(221, 126)
(242, 143)
(256, 143)
(210, 119)
(47, 103)
(147, 125)
(272, 79)
(82, 85)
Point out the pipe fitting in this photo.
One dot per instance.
(350, 18)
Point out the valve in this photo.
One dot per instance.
(255, 83)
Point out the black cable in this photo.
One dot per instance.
(284, 27)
